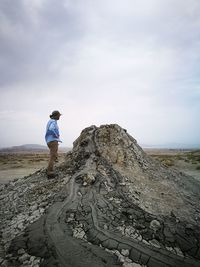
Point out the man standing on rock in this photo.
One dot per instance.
(52, 138)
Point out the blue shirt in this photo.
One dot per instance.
(52, 131)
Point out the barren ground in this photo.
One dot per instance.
(187, 161)
(16, 165)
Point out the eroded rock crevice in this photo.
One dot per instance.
(111, 205)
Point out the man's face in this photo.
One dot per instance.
(57, 117)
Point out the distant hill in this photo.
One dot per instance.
(30, 148)
(33, 146)
(172, 146)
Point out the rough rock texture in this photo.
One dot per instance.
(111, 205)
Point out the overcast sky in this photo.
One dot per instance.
(131, 62)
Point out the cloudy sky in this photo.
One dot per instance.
(132, 62)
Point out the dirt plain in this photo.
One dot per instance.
(17, 165)
(185, 160)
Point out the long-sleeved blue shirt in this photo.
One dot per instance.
(52, 131)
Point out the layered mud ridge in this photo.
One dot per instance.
(110, 205)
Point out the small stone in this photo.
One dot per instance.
(88, 179)
(105, 227)
(128, 260)
(32, 258)
(34, 207)
(24, 258)
(117, 201)
(41, 210)
(37, 261)
(43, 204)
(36, 213)
(155, 225)
(26, 263)
(121, 258)
(125, 252)
(170, 249)
(178, 252)
(21, 251)
(20, 226)
(154, 243)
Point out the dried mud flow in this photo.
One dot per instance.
(110, 205)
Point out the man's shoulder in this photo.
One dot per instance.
(52, 121)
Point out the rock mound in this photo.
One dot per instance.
(111, 205)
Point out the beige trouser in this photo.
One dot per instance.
(53, 147)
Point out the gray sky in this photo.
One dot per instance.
(132, 62)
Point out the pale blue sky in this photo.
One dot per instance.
(132, 62)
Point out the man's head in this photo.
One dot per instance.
(55, 115)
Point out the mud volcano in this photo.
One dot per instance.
(111, 205)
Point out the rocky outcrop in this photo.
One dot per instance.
(111, 205)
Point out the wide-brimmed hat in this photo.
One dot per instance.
(55, 113)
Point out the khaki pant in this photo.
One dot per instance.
(53, 147)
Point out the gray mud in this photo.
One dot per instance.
(110, 205)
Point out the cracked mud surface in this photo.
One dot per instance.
(111, 205)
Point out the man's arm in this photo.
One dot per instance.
(54, 129)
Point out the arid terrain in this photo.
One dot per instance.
(187, 161)
(17, 165)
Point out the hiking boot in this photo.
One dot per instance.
(51, 175)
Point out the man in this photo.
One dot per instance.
(52, 138)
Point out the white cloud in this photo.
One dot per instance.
(135, 63)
